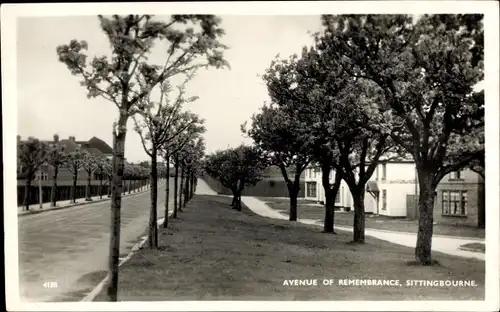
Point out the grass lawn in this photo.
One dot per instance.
(306, 210)
(212, 252)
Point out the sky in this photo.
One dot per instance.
(51, 101)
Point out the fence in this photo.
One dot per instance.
(63, 192)
(263, 188)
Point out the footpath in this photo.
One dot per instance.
(63, 204)
(444, 244)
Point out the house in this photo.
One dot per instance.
(315, 191)
(95, 146)
(391, 192)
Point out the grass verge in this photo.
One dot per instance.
(212, 252)
(316, 212)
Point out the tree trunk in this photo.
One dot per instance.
(186, 190)
(176, 181)
(181, 188)
(358, 195)
(192, 185)
(87, 189)
(100, 187)
(73, 189)
(238, 201)
(153, 230)
(109, 187)
(118, 161)
(234, 190)
(27, 190)
(330, 195)
(426, 218)
(167, 191)
(129, 186)
(54, 187)
(293, 192)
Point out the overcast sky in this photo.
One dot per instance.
(50, 99)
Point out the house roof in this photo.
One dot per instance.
(95, 145)
(95, 142)
(69, 146)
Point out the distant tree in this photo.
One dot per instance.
(286, 142)
(190, 155)
(172, 150)
(193, 42)
(236, 168)
(108, 173)
(128, 175)
(305, 89)
(31, 155)
(56, 158)
(101, 171)
(74, 162)
(89, 165)
(426, 69)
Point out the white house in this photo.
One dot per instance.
(386, 191)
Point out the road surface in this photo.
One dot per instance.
(63, 253)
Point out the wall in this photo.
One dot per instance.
(64, 190)
(399, 182)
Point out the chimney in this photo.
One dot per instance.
(72, 138)
(18, 138)
(56, 138)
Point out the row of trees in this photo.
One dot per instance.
(34, 154)
(128, 78)
(372, 88)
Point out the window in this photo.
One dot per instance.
(384, 171)
(313, 173)
(376, 173)
(311, 189)
(43, 176)
(384, 200)
(454, 203)
(455, 175)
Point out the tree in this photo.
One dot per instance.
(192, 43)
(56, 158)
(89, 162)
(286, 142)
(156, 129)
(236, 168)
(101, 171)
(74, 163)
(31, 154)
(426, 69)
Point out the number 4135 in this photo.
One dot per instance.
(50, 285)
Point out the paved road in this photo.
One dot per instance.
(69, 246)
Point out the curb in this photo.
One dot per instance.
(138, 246)
(34, 212)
